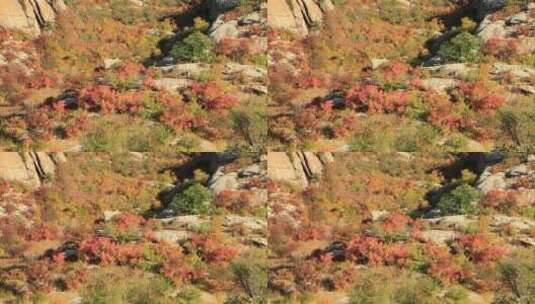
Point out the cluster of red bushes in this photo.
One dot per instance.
(235, 201)
(501, 200)
(372, 99)
(444, 266)
(479, 249)
(373, 251)
(501, 48)
(105, 99)
(478, 96)
(234, 48)
(209, 247)
(442, 114)
(211, 97)
(103, 250)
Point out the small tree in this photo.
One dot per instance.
(461, 200)
(195, 199)
(464, 47)
(197, 47)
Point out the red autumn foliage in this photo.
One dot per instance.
(359, 97)
(43, 232)
(176, 115)
(395, 69)
(98, 98)
(97, 250)
(309, 123)
(102, 250)
(497, 199)
(75, 126)
(345, 278)
(501, 48)
(40, 124)
(396, 222)
(310, 233)
(127, 222)
(211, 250)
(343, 127)
(443, 266)
(235, 201)
(479, 97)
(308, 275)
(441, 113)
(233, 47)
(129, 69)
(312, 82)
(174, 266)
(128, 254)
(211, 97)
(39, 275)
(5, 186)
(371, 98)
(371, 250)
(478, 248)
(105, 99)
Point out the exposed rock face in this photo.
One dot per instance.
(244, 28)
(510, 179)
(297, 168)
(439, 84)
(29, 16)
(438, 236)
(281, 168)
(181, 76)
(29, 168)
(171, 84)
(14, 168)
(446, 76)
(238, 180)
(511, 28)
(297, 16)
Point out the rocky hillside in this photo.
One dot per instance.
(451, 76)
(117, 228)
(405, 227)
(127, 75)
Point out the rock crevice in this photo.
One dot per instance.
(29, 168)
(297, 16)
(297, 168)
(29, 16)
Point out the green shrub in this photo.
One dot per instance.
(517, 275)
(386, 133)
(251, 276)
(464, 47)
(251, 123)
(195, 199)
(188, 295)
(456, 143)
(119, 134)
(115, 286)
(197, 47)
(462, 200)
(518, 121)
(456, 294)
(390, 286)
